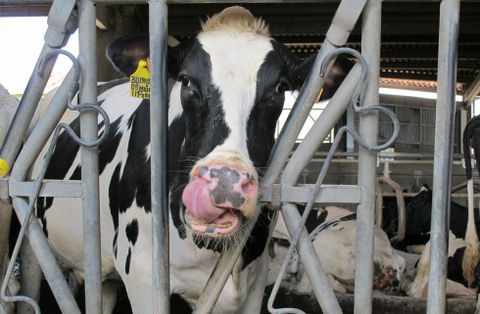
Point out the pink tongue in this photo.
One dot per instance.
(196, 197)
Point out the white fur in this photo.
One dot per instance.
(336, 246)
(234, 73)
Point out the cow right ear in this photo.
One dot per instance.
(125, 53)
(334, 78)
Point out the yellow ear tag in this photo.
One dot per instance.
(140, 81)
(4, 167)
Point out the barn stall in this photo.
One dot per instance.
(401, 53)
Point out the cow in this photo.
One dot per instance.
(333, 233)
(415, 280)
(471, 259)
(226, 92)
(417, 234)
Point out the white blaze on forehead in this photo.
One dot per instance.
(236, 57)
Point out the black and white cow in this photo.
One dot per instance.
(227, 92)
(333, 233)
(417, 233)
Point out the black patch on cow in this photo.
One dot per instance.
(268, 107)
(134, 183)
(112, 195)
(454, 266)
(201, 126)
(131, 230)
(418, 219)
(178, 305)
(224, 192)
(127, 261)
(258, 239)
(115, 243)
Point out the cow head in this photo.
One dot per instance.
(231, 80)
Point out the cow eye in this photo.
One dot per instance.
(281, 87)
(185, 81)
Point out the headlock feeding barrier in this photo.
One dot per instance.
(278, 186)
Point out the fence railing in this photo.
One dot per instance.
(281, 195)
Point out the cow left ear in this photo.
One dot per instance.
(125, 53)
(334, 78)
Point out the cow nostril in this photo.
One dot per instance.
(249, 186)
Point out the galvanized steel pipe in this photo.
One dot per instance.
(443, 154)
(371, 29)
(158, 15)
(89, 158)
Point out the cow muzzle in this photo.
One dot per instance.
(219, 197)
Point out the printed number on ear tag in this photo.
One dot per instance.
(140, 81)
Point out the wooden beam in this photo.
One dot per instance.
(473, 89)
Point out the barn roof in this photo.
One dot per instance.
(409, 30)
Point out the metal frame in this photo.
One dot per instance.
(62, 23)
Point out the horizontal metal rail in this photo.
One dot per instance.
(348, 194)
(46, 2)
(50, 188)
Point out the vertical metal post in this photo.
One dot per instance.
(89, 157)
(371, 30)
(158, 13)
(442, 161)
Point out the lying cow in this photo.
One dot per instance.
(418, 221)
(333, 232)
(415, 281)
(226, 95)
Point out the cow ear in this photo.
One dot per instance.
(125, 53)
(334, 78)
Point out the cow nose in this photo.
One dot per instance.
(229, 187)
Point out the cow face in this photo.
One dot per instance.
(231, 81)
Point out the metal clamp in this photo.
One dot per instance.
(48, 156)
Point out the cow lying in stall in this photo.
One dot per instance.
(333, 233)
(417, 236)
(227, 92)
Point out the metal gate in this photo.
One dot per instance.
(361, 82)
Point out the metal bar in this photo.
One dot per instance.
(343, 22)
(158, 15)
(26, 108)
(371, 29)
(60, 25)
(328, 193)
(89, 158)
(320, 284)
(47, 260)
(50, 188)
(25, 159)
(442, 166)
(298, 161)
(320, 130)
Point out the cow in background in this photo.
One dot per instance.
(471, 137)
(333, 233)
